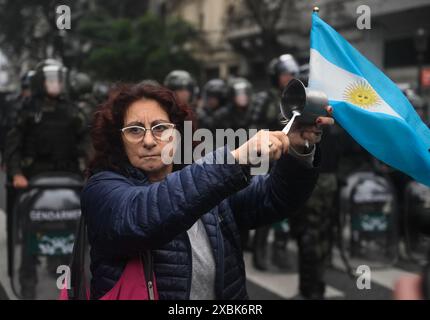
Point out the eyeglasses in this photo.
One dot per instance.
(161, 132)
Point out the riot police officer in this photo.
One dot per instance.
(47, 138)
(266, 115)
(15, 104)
(214, 113)
(313, 225)
(81, 92)
(239, 103)
(239, 106)
(184, 85)
(48, 131)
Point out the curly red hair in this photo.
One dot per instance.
(109, 153)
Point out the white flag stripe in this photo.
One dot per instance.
(334, 81)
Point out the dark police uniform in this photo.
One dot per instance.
(47, 138)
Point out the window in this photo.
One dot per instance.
(233, 71)
(402, 52)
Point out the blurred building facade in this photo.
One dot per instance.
(238, 41)
(391, 42)
(212, 48)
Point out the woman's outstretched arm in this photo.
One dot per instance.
(125, 218)
(275, 196)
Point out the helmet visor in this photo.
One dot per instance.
(54, 80)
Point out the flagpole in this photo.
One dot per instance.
(316, 9)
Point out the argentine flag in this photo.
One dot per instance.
(367, 104)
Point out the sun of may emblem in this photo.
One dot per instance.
(361, 94)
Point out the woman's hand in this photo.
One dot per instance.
(303, 137)
(271, 145)
(265, 145)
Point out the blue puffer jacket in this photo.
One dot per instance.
(126, 215)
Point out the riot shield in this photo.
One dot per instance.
(369, 220)
(42, 233)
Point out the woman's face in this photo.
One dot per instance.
(146, 153)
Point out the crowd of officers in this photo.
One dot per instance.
(45, 128)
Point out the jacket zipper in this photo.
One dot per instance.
(148, 273)
(151, 290)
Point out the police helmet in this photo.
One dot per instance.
(50, 78)
(80, 83)
(180, 79)
(216, 88)
(238, 86)
(286, 63)
(101, 91)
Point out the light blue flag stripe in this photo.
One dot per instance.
(392, 142)
(403, 145)
(338, 51)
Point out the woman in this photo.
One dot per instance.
(190, 217)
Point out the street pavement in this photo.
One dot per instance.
(275, 284)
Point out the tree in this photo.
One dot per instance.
(28, 30)
(267, 14)
(118, 40)
(136, 49)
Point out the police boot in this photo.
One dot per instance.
(311, 268)
(279, 250)
(259, 258)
